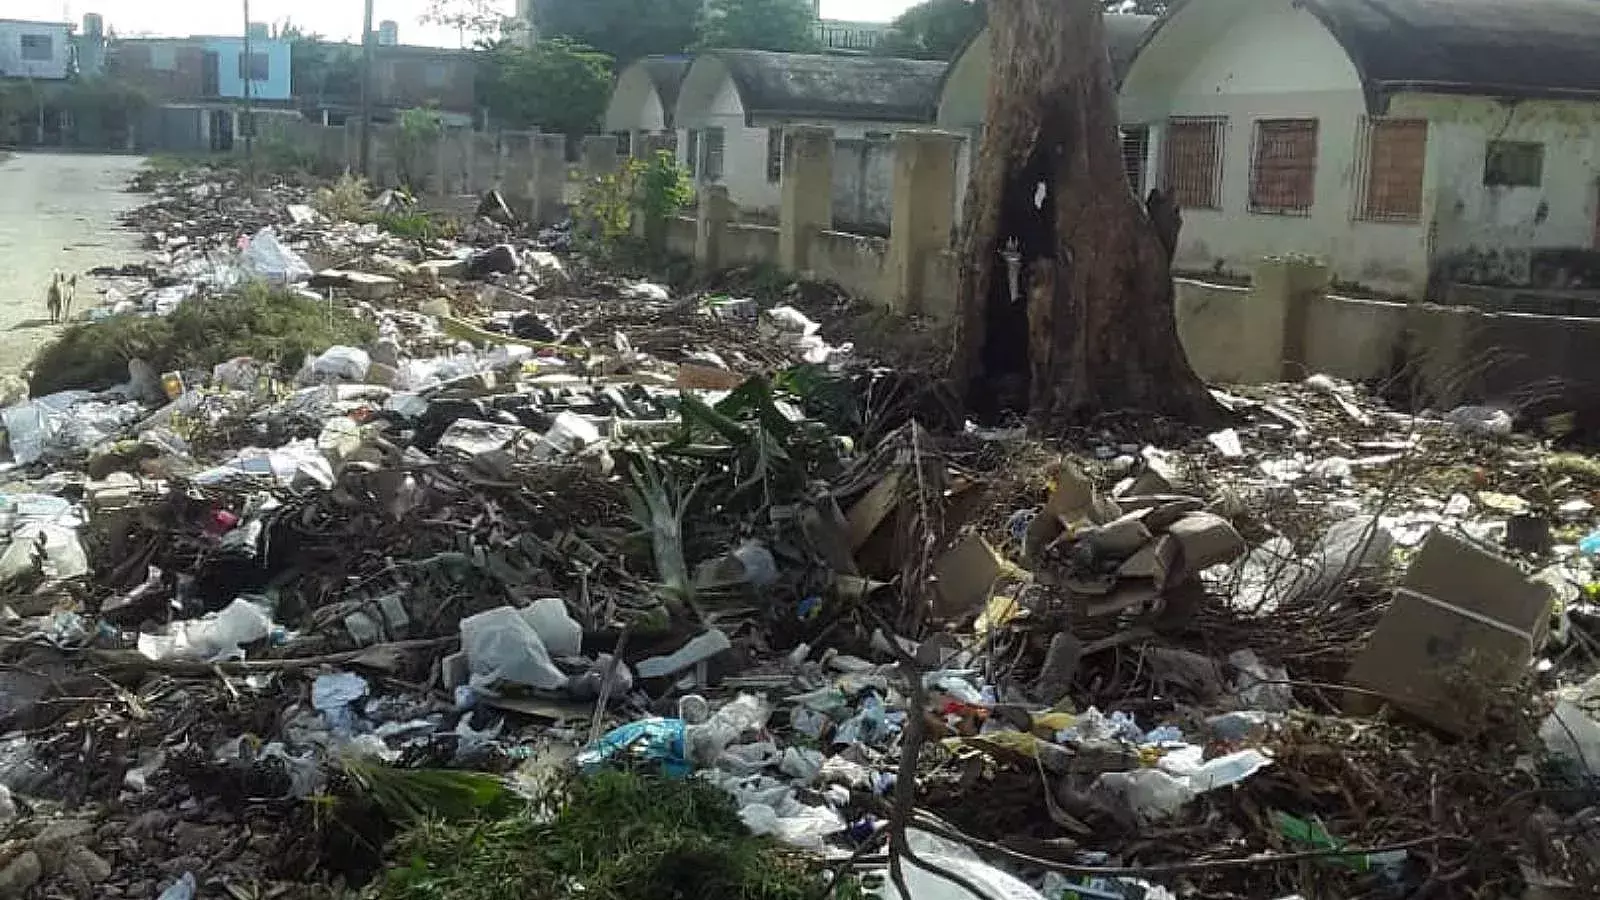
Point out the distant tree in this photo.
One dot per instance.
(933, 29)
(783, 25)
(624, 29)
(482, 20)
(558, 85)
(321, 71)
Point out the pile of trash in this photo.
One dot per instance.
(554, 520)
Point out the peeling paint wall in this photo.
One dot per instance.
(1491, 234)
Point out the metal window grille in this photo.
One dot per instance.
(624, 142)
(1390, 157)
(1283, 178)
(691, 154)
(1135, 150)
(774, 155)
(715, 140)
(1192, 162)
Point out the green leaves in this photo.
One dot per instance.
(559, 85)
(781, 25)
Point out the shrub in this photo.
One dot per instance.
(270, 325)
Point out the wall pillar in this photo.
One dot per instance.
(549, 182)
(1284, 289)
(807, 192)
(923, 212)
(711, 225)
(599, 155)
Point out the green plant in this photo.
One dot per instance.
(345, 200)
(605, 209)
(416, 225)
(419, 133)
(258, 321)
(653, 191)
(663, 187)
(557, 85)
(613, 836)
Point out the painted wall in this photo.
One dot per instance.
(1270, 60)
(635, 104)
(1486, 233)
(12, 63)
(276, 86)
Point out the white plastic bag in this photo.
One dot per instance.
(341, 363)
(213, 638)
(501, 645)
(63, 553)
(562, 635)
(266, 257)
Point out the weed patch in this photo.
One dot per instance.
(270, 325)
(614, 836)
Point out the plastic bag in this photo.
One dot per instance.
(1150, 794)
(182, 889)
(213, 638)
(744, 716)
(652, 740)
(806, 827)
(63, 553)
(341, 363)
(502, 645)
(562, 635)
(925, 884)
(266, 257)
(1572, 730)
(697, 650)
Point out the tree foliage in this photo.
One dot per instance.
(558, 85)
(622, 29)
(933, 29)
(322, 71)
(782, 25)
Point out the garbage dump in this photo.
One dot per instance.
(551, 526)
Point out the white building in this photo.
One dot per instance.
(644, 99)
(1407, 142)
(35, 50)
(734, 104)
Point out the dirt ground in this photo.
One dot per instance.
(57, 211)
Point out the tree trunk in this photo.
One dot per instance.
(1065, 298)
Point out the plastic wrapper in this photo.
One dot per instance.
(266, 257)
(340, 363)
(746, 716)
(561, 634)
(646, 740)
(214, 638)
(503, 646)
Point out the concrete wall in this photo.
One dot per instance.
(1486, 233)
(863, 178)
(680, 236)
(852, 261)
(14, 65)
(748, 245)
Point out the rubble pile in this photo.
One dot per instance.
(548, 523)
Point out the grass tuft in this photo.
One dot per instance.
(614, 836)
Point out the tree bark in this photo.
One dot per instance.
(1092, 298)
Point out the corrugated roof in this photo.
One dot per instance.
(1524, 48)
(871, 88)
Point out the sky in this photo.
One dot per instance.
(334, 19)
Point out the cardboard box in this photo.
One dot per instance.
(1464, 623)
(966, 577)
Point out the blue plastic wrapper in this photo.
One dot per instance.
(647, 740)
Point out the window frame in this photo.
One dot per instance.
(715, 149)
(691, 151)
(774, 155)
(250, 73)
(1136, 175)
(31, 42)
(1301, 196)
(1379, 180)
(1183, 194)
(1499, 177)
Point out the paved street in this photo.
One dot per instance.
(57, 211)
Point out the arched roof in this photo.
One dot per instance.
(964, 88)
(657, 77)
(1502, 48)
(817, 86)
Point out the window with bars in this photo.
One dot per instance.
(715, 142)
(1513, 164)
(1192, 162)
(624, 142)
(37, 47)
(1135, 150)
(691, 152)
(774, 155)
(1391, 154)
(1283, 177)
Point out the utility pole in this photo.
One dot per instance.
(248, 64)
(366, 91)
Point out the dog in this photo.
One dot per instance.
(58, 299)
